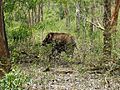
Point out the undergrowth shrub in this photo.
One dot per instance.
(18, 32)
(13, 81)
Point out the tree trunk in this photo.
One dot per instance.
(4, 52)
(41, 10)
(67, 15)
(114, 17)
(92, 27)
(37, 6)
(78, 16)
(113, 23)
(107, 35)
(61, 11)
(32, 17)
(84, 37)
(29, 18)
(35, 15)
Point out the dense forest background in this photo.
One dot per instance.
(96, 60)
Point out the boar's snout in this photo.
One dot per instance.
(43, 44)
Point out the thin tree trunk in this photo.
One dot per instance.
(29, 18)
(78, 16)
(107, 35)
(84, 37)
(35, 15)
(61, 11)
(92, 27)
(113, 23)
(67, 15)
(114, 17)
(41, 10)
(4, 52)
(32, 17)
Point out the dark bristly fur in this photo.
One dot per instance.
(60, 42)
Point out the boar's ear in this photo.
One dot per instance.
(50, 35)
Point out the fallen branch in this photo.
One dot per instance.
(96, 25)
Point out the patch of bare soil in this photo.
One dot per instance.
(67, 78)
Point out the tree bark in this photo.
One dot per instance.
(92, 27)
(41, 10)
(29, 18)
(35, 15)
(78, 16)
(67, 15)
(61, 11)
(4, 52)
(113, 23)
(84, 46)
(32, 17)
(114, 17)
(107, 35)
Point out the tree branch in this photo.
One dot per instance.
(96, 25)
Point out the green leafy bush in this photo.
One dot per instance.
(18, 31)
(13, 81)
(21, 33)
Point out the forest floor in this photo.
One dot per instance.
(65, 73)
(67, 78)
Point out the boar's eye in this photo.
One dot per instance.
(43, 44)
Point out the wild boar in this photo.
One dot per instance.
(61, 42)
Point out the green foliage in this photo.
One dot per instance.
(20, 32)
(15, 56)
(13, 81)
(31, 3)
(17, 26)
(50, 22)
(9, 5)
(46, 50)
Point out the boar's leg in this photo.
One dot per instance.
(54, 54)
(69, 50)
